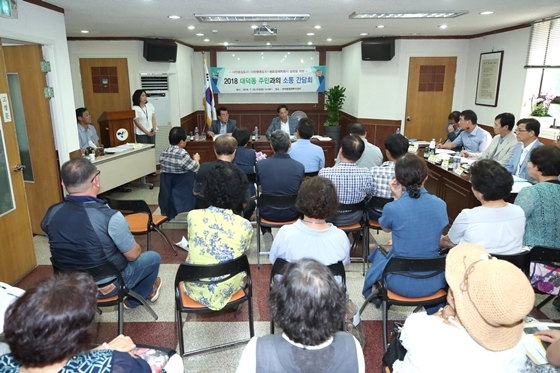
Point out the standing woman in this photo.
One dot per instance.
(145, 125)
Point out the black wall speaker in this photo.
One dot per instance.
(378, 49)
(160, 50)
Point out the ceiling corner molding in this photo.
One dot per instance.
(46, 5)
(498, 31)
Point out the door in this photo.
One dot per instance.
(17, 253)
(429, 98)
(32, 118)
(105, 86)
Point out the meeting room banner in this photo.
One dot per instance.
(273, 80)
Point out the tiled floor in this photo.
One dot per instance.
(205, 330)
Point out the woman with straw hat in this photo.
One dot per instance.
(480, 329)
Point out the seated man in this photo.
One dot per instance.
(223, 124)
(278, 175)
(372, 156)
(86, 131)
(311, 156)
(503, 145)
(245, 157)
(472, 138)
(282, 122)
(352, 183)
(527, 132)
(396, 145)
(224, 148)
(84, 232)
(178, 171)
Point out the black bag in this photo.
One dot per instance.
(395, 351)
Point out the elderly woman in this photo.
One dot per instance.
(309, 306)
(216, 234)
(480, 330)
(49, 329)
(416, 220)
(312, 237)
(496, 225)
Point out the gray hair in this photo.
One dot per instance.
(280, 141)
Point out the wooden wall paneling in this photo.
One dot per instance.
(456, 197)
(204, 148)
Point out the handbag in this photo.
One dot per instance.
(395, 350)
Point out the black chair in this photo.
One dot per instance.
(207, 275)
(359, 230)
(521, 260)
(104, 271)
(418, 268)
(140, 219)
(548, 256)
(311, 174)
(377, 204)
(278, 203)
(337, 269)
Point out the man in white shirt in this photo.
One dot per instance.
(527, 132)
(283, 122)
(503, 145)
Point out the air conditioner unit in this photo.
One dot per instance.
(157, 92)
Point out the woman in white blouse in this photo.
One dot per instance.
(145, 125)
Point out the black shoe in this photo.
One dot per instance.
(377, 302)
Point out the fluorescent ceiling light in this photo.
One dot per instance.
(363, 34)
(84, 32)
(317, 27)
(400, 15)
(200, 34)
(309, 43)
(174, 17)
(206, 39)
(486, 13)
(442, 26)
(329, 39)
(310, 33)
(251, 17)
(191, 27)
(270, 47)
(380, 26)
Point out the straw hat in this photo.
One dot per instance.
(492, 296)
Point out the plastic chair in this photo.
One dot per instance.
(104, 271)
(311, 174)
(521, 260)
(419, 268)
(548, 256)
(358, 228)
(278, 203)
(141, 220)
(337, 269)
(377, 204)
(206, 274)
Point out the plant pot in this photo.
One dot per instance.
(334, 133)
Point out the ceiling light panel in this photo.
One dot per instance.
(390, 15)
(251, 17)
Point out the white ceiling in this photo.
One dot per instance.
(148, 18)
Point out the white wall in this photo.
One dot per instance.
(39, 25)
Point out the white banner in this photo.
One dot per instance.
(300, 79)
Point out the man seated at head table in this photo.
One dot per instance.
(311, 156)
(86, 132)
(372, 156)
(472, 138)
(503, 145)
(224, 148)
(282, 122)
(527, 132)
(223, 124)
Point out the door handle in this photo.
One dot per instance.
(19, 167)
(408, 119)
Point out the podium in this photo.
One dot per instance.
(116, 127)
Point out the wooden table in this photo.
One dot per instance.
(205, 149)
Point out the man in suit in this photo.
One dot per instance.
(223, 125)
(503, 145)
(527, 132)
(283, 122)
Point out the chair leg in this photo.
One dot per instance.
(258, 246)
(160, 231)
(149, 241)
(179, 323)
(385, 307)
(373, 294)
(271, 326)
(251, 323)
(120, 321)
(365, 249)
(141, 299)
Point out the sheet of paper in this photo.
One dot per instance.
(445, 151)
(321, 138)
(183, 244)
(517, 179)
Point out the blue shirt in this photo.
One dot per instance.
(471, 141)
(309, 155)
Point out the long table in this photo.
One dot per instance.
(205, 148)
(121, 168)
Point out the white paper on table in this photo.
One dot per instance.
(517, 179)
(534, 348)
(321, 138)
(517, 186)
(119, 149)
(7, 295)
(183, 244)
(468, 161)
(420, 143)
(445, 151)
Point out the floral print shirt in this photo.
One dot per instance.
(216, 236)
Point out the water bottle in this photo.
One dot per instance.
(450, 164)
(398, 131)
(196, 134)
(256, 132)
(433, 146)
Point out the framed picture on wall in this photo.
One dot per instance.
(489, 75)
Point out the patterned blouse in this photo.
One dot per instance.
(216, 236)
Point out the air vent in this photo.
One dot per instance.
(155, 83)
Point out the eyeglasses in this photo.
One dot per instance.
(97, 174)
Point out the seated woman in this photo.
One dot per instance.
(496, 225)
(312, 237)
(245, 158)
(541, 203)
(480, 330)
(416, 220)
(49, 329)
(216, 234)
(310, 341)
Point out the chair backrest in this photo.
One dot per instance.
(351, 206)
(252, 178)
(337, 269)
(377, 203)
(521, 260)
(311, 174)
(206, 274)
(419, 268)
(276, 202)
(132, 206)
(543, 254)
